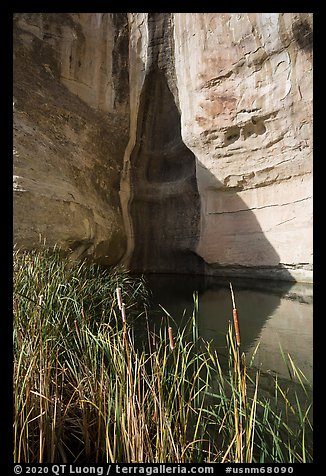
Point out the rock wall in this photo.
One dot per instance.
(173, 142)
(71, 126)
(165, 204)
(245, 91)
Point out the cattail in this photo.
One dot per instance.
(236, 326)
(235, 319)
(121, 305)
(171, 338)
(76, 328)
(123, 313)
(119, 297)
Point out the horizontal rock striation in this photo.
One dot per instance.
(174, 142)
(245, 91)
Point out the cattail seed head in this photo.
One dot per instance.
(236, 326)
(123, 313)
(171, 338)
(119, 298)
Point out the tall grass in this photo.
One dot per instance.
(86, 389)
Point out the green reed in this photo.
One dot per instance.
(86, 390)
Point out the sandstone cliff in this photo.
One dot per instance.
(246, 114)
(172, 142)
(71, 125)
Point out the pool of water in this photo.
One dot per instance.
(272, 314)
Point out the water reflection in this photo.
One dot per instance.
(276, 316)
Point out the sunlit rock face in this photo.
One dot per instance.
(236, 91)
(245, 92)
(71, 126)
(174, 142)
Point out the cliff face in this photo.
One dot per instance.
(164, 204)
(175, 142)
(246, 100)
(71, 126)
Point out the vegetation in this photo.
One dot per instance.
(87, 389)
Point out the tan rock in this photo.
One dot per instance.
(70, 132)
(175, 142)
(245, 91)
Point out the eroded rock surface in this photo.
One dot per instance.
(71, 123)
(201, 123)
(245, 91)
(165, 203)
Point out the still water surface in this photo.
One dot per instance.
(270, 313)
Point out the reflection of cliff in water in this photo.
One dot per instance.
(275, 316)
